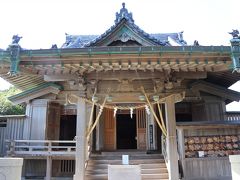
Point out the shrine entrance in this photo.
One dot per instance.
(126, 131)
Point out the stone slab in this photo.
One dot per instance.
(11, 168)
(235, 166)
(124, 172)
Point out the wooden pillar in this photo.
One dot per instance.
(49, 168)
(171, 139)
(80, 140)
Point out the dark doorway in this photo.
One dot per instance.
(67, 127)
(126, 132)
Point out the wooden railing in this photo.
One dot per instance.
(40, 148)
(61, 150)
(233, 116)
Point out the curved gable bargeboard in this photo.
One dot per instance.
(123, 32)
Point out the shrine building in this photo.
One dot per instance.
(153, 97)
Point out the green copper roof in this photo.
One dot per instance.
(27, 92)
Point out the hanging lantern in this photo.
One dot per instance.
(109, 98)
(156, 98)
(94, 99)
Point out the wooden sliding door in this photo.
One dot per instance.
(109, 130)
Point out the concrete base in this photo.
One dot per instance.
(124, 172)
(11, 168)
(235, 166)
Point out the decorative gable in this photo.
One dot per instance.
(124, 33)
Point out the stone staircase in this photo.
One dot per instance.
(152, 165)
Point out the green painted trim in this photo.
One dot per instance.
(127, 50)
(133, 50)
(29, 91)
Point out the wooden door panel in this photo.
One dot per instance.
(109, 130)
(141, 129)
(53, 121)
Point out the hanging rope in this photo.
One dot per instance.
(91, 117)
(97, 119)
(161, 117)
(161, 100)
(160, 122)
(154, 114)
(92, 110)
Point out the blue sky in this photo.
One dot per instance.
(43, 23)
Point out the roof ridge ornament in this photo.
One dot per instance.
(235, 46)
(14, 50)
(123, 14)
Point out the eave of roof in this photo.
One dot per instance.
(51, 57)
(17, 98)
(213, 88)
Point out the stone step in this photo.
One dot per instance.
(156, 170)
(155, 176)
(143, 166)
(152, 165)
(139, 161)
(120, 157)
(119, 152)
(96, 177)
(143, 171)
(144, 176)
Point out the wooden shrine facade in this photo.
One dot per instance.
(124, 89)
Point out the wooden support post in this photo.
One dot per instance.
(80, 140)
(49, 168)
(171, 138)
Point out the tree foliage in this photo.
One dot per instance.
(6, 107)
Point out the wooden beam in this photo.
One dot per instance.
(60, 77)
(110, 75)
(133, 75)
(190, 75)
